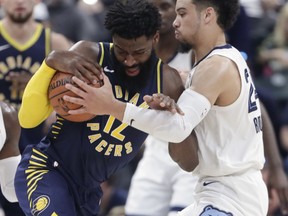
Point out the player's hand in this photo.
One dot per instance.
(162, 102)
(278, 181)
(76, 64)
(93, 100)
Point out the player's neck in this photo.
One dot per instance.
(19, 32)
(203, 47)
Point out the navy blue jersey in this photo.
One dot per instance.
(103, 144)
(88, 153)
(17, 58)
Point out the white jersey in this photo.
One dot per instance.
(230, 138)
(182, 61)
(2, 130)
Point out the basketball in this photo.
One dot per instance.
(56, 92)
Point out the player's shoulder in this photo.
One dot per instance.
(6, 107)
(172, 82)
(89, 49)
(170, 74)
(8, 110)
(215, 64)
(169, 70)
(59, 41)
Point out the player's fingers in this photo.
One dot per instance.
(81, 84)
(74, 100)
(78, 111)
(94, 69)
(76, 90)
(178, 109)
(95, 75)
(166, 102)
(85, 74)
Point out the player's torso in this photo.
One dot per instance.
(16, 57)
(230, 137)
(102, 145)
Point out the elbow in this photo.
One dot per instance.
(187, 168)
(25, 120)
(179, 136)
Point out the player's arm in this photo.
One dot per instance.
(35, 106)
(195, 102)
(9, 151)
(277, 177)
(185, 152)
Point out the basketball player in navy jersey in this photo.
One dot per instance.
(24, 43)
(63, 173)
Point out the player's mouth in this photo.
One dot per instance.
(132, 71)
(20, 9)
(177, 34)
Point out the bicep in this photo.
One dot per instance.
(172, 83)
(216, 78)
(59, 42)
(88, 49)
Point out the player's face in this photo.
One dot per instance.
(167, 11)
(19, 11)
(187, 23)
(133, 61)
(131, 53)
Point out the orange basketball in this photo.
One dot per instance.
(56, 92)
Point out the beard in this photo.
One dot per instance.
(20, 19)
(184, 47)
(136, 83)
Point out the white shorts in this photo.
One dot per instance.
(159, 186)
(244, 195)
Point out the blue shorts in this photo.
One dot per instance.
(44, 188)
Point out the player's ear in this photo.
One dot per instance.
(209, 14)
(156, 38)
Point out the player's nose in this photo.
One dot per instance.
(129, 60)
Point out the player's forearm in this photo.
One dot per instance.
(8, 168)
(185, 153)
(270, 142)
(35, 106)
(168, 126)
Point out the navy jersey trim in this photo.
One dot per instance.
(28, 44)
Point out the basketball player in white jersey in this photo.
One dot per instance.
(9, 150)
(157, 176)
(220, 104)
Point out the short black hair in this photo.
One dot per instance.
(227, 11)
(131, 19)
